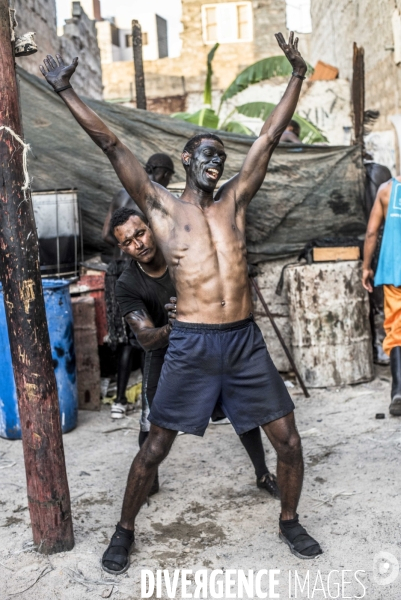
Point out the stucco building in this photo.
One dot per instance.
(245, 31)
(376, 26)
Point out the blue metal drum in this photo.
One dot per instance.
(60, 323)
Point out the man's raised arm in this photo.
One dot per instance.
(129, 170)
(250, 178)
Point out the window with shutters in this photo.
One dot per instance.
(227, 22)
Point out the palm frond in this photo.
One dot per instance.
(206, 117)
(310, 133)
(236, 127)
(256, 110)
(273, 66)
(207, 94)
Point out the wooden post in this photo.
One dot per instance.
(138, 65)
(47, 486)
(358, 93)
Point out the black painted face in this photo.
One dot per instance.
(206, 165)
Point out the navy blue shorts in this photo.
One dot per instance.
(207, 364)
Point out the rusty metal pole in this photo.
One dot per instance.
(280, 337)
(47, 486)
(138, 65)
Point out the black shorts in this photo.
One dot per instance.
(207, 364)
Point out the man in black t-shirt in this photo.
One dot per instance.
(160, 169)
(146, 297)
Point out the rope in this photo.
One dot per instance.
(26, 147)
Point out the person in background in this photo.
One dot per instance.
(376, 175)
(160, 169)
(387, 209)
(291, 133)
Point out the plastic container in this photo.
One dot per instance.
(61, 331)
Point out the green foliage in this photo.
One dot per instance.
(274, 66)
(207, 94)
(259, 71)
(236, 127)
(310, 134)
(256, 110)
(206, 117)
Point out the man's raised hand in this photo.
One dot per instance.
(58, 75)
(292, 53)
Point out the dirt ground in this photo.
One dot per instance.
(209, 513)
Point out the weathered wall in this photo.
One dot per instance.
(38, 16)
(231, 58)
(336, 25)
(79, 39)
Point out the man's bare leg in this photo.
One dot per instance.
(143, 470)
(140, 478)
(285, 439)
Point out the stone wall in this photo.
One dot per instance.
(336, 25)
(79, 39)
(38, 16)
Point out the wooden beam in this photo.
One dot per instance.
(358, 93)
(138, 65)
(47, 486)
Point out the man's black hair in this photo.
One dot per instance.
(195, 141)
(121, 216)
(159, 160)
(295, 126)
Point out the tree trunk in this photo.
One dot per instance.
(138, 64)
(47, 486)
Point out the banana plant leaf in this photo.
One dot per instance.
(310, 133)
(257, 110)
(236, 127)
(266, 68)
(207, 94)
(206, 117)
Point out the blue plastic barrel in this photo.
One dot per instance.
(60, 323)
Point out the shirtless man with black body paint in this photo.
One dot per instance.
(216, 351)
(146, 296)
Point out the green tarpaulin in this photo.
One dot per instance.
(309, 191)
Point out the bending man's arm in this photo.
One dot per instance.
(149, 336)
(129, 170)
(250, 178)
(372, 233)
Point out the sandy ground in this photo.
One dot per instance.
(209, 513)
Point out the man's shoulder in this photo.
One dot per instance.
(129, 277)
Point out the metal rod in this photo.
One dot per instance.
(280, 337)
